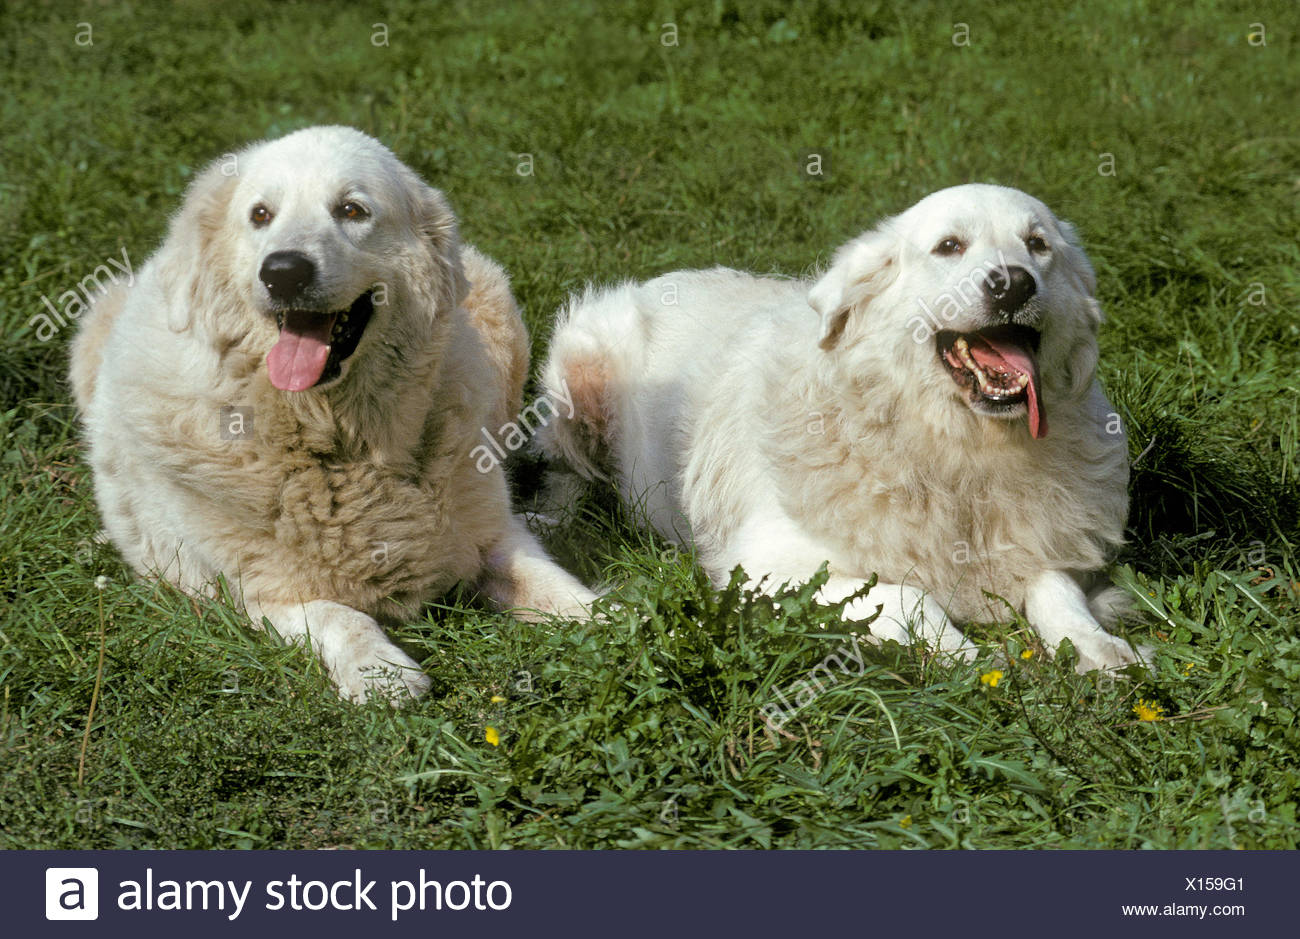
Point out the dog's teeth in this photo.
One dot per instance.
(975, 370)
(1023, 380)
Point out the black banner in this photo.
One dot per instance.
(333, 893)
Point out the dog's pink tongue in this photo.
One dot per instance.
(296, 361)
(1022, 360)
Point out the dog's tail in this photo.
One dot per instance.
(597, 348)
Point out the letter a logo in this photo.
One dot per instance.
(71, 893)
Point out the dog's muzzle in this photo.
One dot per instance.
(997, 368)
(313, 344)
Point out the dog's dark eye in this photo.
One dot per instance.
(260, 216)
(1036, 244)
(351, 211)
(950, 246)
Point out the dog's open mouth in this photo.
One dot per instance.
(998, 369)
(313, 345)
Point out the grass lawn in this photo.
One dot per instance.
(579, 142)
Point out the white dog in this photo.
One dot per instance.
(891, 417)
(289, 397)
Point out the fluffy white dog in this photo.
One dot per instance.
(289, 397)
(891, 417)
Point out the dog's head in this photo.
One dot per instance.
(977, 294)
(329, 245)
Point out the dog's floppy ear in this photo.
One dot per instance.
(1081, 360)
(862, 269)
(185, 262)
(441, 236)
(1075, 260)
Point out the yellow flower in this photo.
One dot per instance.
(1187, 669)
(991, 678)
(497, 699)
(1148, 710)
(906, 822)
(492, 736)
(1027, 654)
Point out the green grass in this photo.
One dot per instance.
(642, 727)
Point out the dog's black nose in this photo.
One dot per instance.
(287, 274)
(1009, 292)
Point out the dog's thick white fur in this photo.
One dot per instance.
(780, 425)
(288, 396)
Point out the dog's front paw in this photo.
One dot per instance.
(1101, 650)
(919, 618)
(577, 603)
(379, 670)
(963, 651)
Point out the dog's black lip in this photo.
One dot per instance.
(348, 337)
